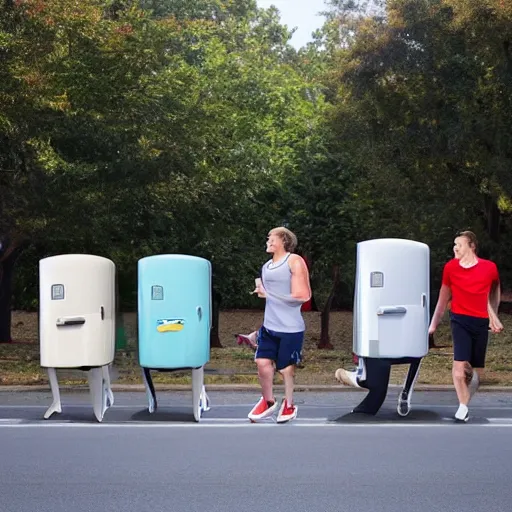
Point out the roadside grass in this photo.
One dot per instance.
(19, 362)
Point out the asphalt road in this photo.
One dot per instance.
(326, 460)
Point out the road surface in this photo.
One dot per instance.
(326, 460)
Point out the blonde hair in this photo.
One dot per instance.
(470, 237)
(289, 239)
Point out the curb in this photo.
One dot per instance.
(245, 388)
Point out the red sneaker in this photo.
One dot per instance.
(286, 412)
(262, 409)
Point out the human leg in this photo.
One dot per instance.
(266, 377)
(290, 354)
(480, 338)
(288, 374)
(288, 410)
(462, 356)
(266, 355)
(460, 381)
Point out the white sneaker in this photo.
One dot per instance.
(462, 414)
(473, 384)
(347, 378)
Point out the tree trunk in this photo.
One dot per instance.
(507, 49)
(214, 332)
(10, 249)
(325, 342)
(493, 218)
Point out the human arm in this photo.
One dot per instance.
(495, 293)
(493, 304)
(495, 324)
(301, 288)
(445, 295)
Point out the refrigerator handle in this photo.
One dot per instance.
(391, 310)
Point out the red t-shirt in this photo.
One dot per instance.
(470, 286)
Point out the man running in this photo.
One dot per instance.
(473, 285)
(285, 286)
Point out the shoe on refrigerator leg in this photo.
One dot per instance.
(347, 378)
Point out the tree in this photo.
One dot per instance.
(414, 113)
(10, 250)
(140, 134)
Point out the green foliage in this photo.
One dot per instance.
(154, 132)
(420, 122)
(130, 128)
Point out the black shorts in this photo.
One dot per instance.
(470, 335)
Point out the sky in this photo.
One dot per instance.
(302, 14)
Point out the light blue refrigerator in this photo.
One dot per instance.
(174, 320)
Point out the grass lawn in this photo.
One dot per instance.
(19, 362)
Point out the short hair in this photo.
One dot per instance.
(471, 238)
(289, 239)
